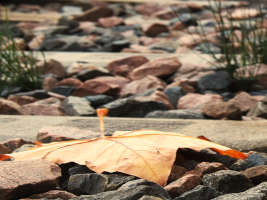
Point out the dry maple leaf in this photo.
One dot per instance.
(146, 154)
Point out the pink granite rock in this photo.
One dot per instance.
(74, 82)
(50, 106)
(141, 85)
(36, 42)
(190, 40)
(15, 143)
(244, 101)
(101, 85)
(243, 13)
(52, 194)
(160, 67)
(49, 83)
(20, 179)
(94, 14)
(157, 96)
(193, 100)
(108, 22)
(63, 133)
(8, 107)
(155, 29)
(166, 14)
(183, 184)
(4, 149)
(123, 67)
(22, 100)
(26, 28)
(28, 8)
(218, 109)
(148, 9)
(52, 67)
(176, 173)
(208, 167)
(256, 174)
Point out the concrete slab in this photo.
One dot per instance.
(165, 2)
(175, 2)
(241, 135)
(102, 59)
(52, 17)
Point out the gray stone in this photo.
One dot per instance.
(38, 94)
(9, 90)
(67, 43)
(50, 30)
(208, 48)
(254, 159)
(94, 72)
(169, 46)
(20, 179)
(115, 180)
(174, 93)
(260, 110)
(177, 114)
(147, 197)
(227, 181)
(63, 90)
(77, 106)
(118, 45)
(258, 93)
(208, 155)
(108, 38)
(261, 188)
(83, 184)
(214, 81)
(241, 196)
(79, 169)
(200, 192)
(52, 44)
(52, 194)
(98, 100)
(133, 107)
(258, 192)
(132, 190)
(67, 21)
(187, 19)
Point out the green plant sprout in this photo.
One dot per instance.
(18, 68)
(243, 43)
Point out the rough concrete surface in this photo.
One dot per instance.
(102, 59)
(241, 135)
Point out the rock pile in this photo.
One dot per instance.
(195, 175)
(134, 86)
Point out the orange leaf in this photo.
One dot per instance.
(232, 153)
(4, 157)
(146, 154)
(38, 144)
(202, 137)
